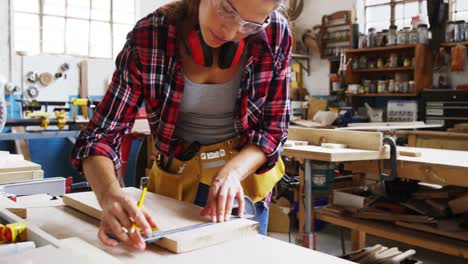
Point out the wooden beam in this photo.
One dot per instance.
(352, 139)
(171, 214)
(358, 239)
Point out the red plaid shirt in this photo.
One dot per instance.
(148, 70)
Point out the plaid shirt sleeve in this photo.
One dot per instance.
(115, 115)
(273, 129)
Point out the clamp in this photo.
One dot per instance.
(394, 188)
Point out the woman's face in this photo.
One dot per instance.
(219, 19)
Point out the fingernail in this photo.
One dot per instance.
(141, 245)
(220, 218)
(213, 219)
(227, 217)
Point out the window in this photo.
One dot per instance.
(380, 14)
(88, 28)
(459, 10)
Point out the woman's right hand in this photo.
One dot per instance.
(118, 214)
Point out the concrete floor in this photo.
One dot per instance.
(328, 241)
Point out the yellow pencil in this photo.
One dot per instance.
(140, 204)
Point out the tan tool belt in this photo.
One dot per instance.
(181, 178)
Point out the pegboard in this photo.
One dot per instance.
(60, 88)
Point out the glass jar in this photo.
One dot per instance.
(402, 37)
(392, 35)
(371, 64)
(372, 38)
(404, 87)
(459, 31)
(407, 62)
(413, 37)
(380, 63)
(383, 38)
(449, 31)
(355, 64)
(411, 87)
(423, 34)
(391, 86)
(373, 88)
(363, 62)
(466, 32)
(381, 86)
(393, 61)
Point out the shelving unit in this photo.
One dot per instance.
(422, 75)
(452, 44)
(335, 33)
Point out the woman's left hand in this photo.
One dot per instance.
(225, 187)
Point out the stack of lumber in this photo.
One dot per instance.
(442, 211)
(380, 254)
(15, 168)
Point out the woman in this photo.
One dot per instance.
(213, 76)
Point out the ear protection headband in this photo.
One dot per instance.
(230, 53)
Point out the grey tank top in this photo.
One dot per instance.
(206, 112)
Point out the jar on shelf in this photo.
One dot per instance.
(423, 34)
(362, 41)
(380, 63)
(373, 88)
(459, 31)
(383, 40)
(371, 64)
(392, 35)
(466, 32)
(367, 86)
(449, 31)
(404, 87)
(355, 64)
(402, 36)
(413, 37)
(381, 86)
(411, 87)
(363, 62)
(407, 62)
(393, 61)
(391, 86)
(371, 38)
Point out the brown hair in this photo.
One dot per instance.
(189, 8)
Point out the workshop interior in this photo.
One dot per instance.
(374, 168)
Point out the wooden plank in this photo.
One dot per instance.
(404, 235)
(171, 214)
(387, 126)
(253, 249)
(459, 205)
(333, 155)
(21, 145)
(391, 217)
(18, 165)
(437, 140)
(352, 139)
(461, 235)
(358, 240)
(15, 176)
(315, 105)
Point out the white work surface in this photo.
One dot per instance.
(64, 222)
(391, 126)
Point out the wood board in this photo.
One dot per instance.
(352, 139)
(18, 165)
(170, 214)
(334, 155)
(461, 235)
(253, 249)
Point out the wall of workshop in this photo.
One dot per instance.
(317, 83)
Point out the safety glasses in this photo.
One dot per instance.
(225, 10)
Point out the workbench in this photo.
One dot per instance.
(64, 222)
(443, 167)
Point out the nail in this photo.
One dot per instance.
(227, 217)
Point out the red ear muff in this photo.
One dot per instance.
(230, 54)
(201, 53)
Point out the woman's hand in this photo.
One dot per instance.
(224, 188)
(118, 215)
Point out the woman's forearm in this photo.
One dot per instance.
(249, 159)
(99, 171)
